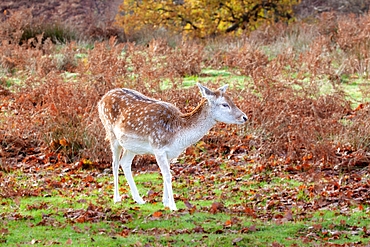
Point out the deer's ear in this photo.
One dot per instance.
(206, 93)
(223, 88)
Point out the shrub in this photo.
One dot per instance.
(20, 27)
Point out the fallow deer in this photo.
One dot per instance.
(143, 125)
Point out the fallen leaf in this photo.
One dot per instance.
(89, 179)
(228, 223)
(216, 207)
(63, 142)
(157, 214)
(288, 215)
(276, 244)
(190, 207)
(77, 229)
(69, 241)
(4, 231)
(252, 228)
(250, 212)
(124, 232)
(198, 229)
(237, 240)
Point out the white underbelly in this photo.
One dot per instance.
(140, 145)
(136, 147)
(134, 144)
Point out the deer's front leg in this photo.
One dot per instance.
(164, 165)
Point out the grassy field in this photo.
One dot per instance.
(74, 206)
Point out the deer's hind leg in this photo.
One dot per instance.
(116, 150)
(126, 162)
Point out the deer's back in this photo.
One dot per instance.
(130, 114)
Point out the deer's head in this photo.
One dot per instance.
(222, 107)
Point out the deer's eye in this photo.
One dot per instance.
(225, 105)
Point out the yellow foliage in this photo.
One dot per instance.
(202, 18)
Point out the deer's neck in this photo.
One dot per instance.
(196, 124)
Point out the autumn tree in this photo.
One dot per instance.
(203, 18)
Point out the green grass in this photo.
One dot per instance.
(357, 91)
(52, 217)
(163, 231)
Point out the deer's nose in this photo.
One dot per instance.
(243, 118)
